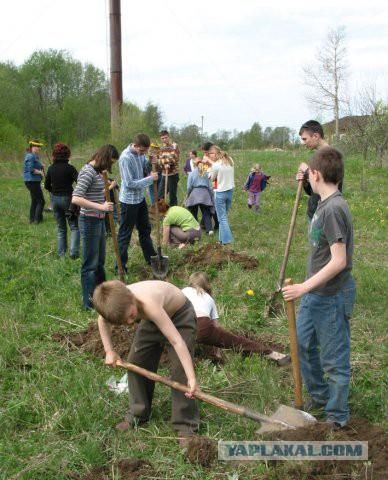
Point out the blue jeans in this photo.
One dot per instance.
(135, 215)
(60, 203)
(223, 201)
(92, 269)
(324, 349)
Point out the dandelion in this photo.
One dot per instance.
(250, 292)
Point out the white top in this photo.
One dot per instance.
(203, 304)
(224, 174)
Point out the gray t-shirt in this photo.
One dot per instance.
(331, 223)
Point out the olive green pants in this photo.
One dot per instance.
(146, 350)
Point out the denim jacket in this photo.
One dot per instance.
(31, 162)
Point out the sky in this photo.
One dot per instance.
(221, 63)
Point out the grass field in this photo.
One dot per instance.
(57, 415)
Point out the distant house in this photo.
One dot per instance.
(346, 124)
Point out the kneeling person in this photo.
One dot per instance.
(179, 227)
(166, 318)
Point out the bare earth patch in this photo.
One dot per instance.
(128, 468)
(357, 429)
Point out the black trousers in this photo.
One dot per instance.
(37, 201)
(172, 188)
(135, 216)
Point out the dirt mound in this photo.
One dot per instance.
(357, 429)
(89, 341)
(202, 450)
(128, 468)
(215, 254)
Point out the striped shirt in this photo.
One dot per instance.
(169, 155)
(132, 167)
(90, 185)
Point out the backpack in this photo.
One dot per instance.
(264, 181)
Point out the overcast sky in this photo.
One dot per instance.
(234, 63)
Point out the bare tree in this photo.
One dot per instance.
(326, 77)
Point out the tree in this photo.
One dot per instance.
(253, 138)
(326, 77)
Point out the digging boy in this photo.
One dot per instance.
(166, 318)
(328, 293)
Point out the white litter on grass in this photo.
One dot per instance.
(118, 387)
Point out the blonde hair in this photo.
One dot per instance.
(200, 281)
(111, 300)
(221, 155)
(257, 167)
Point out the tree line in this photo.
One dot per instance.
(55, 97)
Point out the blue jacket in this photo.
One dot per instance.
(195, 180)
(31, 162)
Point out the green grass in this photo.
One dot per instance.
(57, 416)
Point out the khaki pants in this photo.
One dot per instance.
(145, 352)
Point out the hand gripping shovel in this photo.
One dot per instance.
(113, 230)
(159, 263)
(284, 417)
(271, 308)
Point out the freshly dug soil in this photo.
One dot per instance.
(128, 468)
(216, 254)
(357, 429)
(122, 337)
(202, 450)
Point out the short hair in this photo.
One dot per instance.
(104, 158)
(142, 140)
(61, 153)
(206, 146)
(111, 299)
(312, 126)
(201, 282)
(194, 152)
(163, 133)
(330, 163)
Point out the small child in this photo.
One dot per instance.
(209, 330)
(166, 318)
(254, 185)
(328, 294)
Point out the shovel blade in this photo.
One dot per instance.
(286, 417)
(159, 266)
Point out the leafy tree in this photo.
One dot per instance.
(153, 118)
(326, 77)
(253, 138)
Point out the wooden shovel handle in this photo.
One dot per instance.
(290, 235)
(294, 349)
(113, 229)
(217, 402)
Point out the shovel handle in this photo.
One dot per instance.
(113, 229)
(294, 350)
(217, 402)
(290, 235)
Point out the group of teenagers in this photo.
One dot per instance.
(177, 319)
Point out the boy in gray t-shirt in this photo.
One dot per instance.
(328, 293)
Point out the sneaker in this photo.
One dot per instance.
(334, 424)
(249, 206)
(283, 362)
(311, 406)
(125, 425)
(210, 232)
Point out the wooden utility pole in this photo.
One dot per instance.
(116, 80)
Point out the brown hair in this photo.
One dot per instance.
(104, 158)
(200, 281)
(142, 140)
(61, 153)
(223, 156)
(330, 163)
(112, 299)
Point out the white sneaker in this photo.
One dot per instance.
(211, 232)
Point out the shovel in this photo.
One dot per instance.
(159, 263)
(284, 417)
(113, 230)
(271, 310)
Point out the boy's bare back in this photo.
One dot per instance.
(155, 293)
